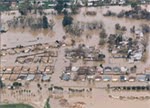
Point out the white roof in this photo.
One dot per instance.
(123, 69)
(74, 69)
(138, 56)
(90, 4)
(45, 77)
(30, 77)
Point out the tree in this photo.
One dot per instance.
(67, 20)
(74, 8)
(102, 42)
(45, 22)
(103, 34)
(17, 84)
(47, 105)
(133, 4)
(59, 7)
(25, 7)
(117, 26)
(1, 84)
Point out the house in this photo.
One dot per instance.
(92, 2)
(115, 78)
(65, 76)
(147, 77)
(114, 70)
(22, 77)
(123, 78)
(30, 77)
(122, 2)
(132, 79)
(45, 78)
(141, 78)
(98, 78)
(106, 78)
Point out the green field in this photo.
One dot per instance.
(15, 106)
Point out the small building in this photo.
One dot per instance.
(98, 78)
(141, 78)
(147, 77)
(45, 78)
(106, 78)
(123, 78)
(30, 77)
(132, 79)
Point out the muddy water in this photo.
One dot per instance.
(27, 37)
(20, 36)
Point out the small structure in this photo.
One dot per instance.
(107, 78)
(141, 78)
(30, 77)
(45, 78)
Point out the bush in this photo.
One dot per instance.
(102, 42)
(103, 34)
(17, 84)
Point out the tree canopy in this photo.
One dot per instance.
(134, 4)
(45, 22)
(67, 20)
(47, 105)
(59, 7)
(1, 84)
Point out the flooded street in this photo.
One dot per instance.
(99, 97)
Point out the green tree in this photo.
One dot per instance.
(133, 4)
(47, 105)
(74, 8)
(45, 22)
(103, 34)
(59, 7)
(25, 7)
(67, 20)
(1, 84)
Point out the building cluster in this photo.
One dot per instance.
(105, 74)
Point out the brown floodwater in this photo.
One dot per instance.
(25, 37)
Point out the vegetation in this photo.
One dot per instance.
(15, 106)
(1, 84)
(74, 8)
(102, 42)
(4, 7)
(67, 20)
(60, 6)
(47, 105)
(103, 34)
(17, 84)
(133, 4)
(25, 7)
(103, 37)
(117, 26)
(45, 22)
